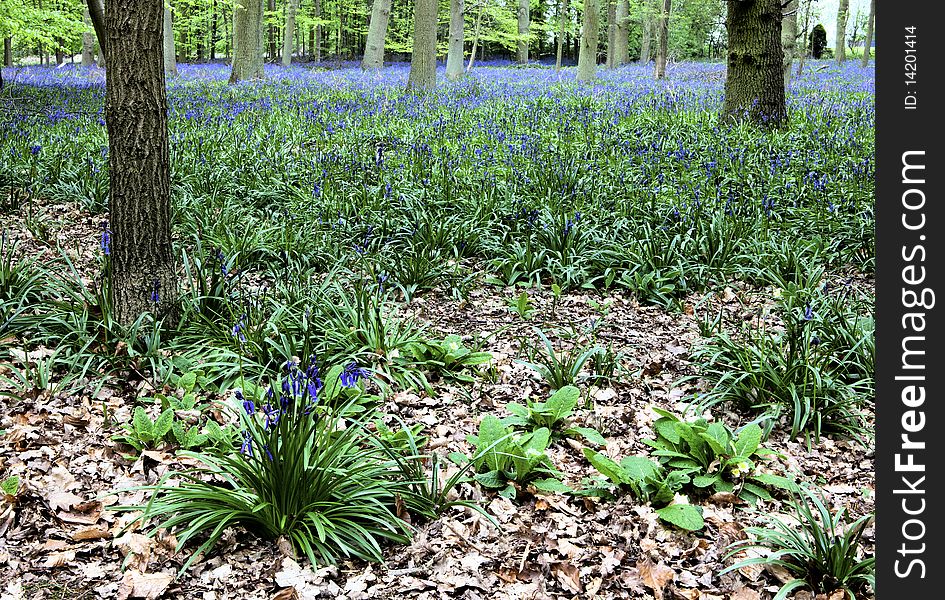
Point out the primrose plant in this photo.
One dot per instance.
(553, 414)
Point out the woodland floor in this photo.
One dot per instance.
(59, 541)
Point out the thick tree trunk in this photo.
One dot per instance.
(611, 33)
(662, 31)
(88, 41)
(789, 39)
(287, 41)
(60, 53)
(247, 41)
(647, 27)
(562, 19)
(868, 40)
(142, 272)
(840, 47)
(622, 35)
(587, 58)
(170, 61)
(377, 35)
(754, 83)
(97, 14)
(454, 55)
(521, 54)
(423, 59)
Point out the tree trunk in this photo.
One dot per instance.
(7, 52)
(562, 19)
(97, 14)
(587, 58)
(272, 34)
(521, 55)
(662, 32)
(454, 56)
(170, 62)
(60, 53)
(611, 34)
(789, 39)
(843, 13)
(88, 43)
(475, 42)
(376, 36)
(141, 266)
(622, 35)
(423, 59)
(647, 26)
(213, 30)
(868, 40)
(289, 35)
(247, 41)
(804, 33)
(754, 84)
(317, 39)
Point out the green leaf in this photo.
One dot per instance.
(163, 424)
(666, 428)
(517, 409)
(491, 432)
(10, 485)
(756, 490)
(704, 481)
(143, 426)
(509, 492)
(639, 468)
(332, 385)
(608, 468)
(685, 516)
(551, 485)
(562, 402)
(187, 381)
(784, 483)
(591, 435)
(748, 440)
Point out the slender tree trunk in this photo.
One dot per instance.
(423, 59)
(60, 53)
(213, 30)
(804, 34)
(754, 84)
(475, 42)
(454, 56)
(88, 43)
(868, 40)
(611, 34)
(7, 52)
(289, 35)
(647, 27)
(663, 33)
(97, 14)
(622, 35)
(317, 39)
(170, 62)
(247, 41)
(142, 271)
(377, 35)
(562, 19)
(521, 55)
(272, 34)
(840, 48)
(789, 39)
(587, 58)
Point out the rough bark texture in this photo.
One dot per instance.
(170, 60)
(88, 40)
(287, 40)
(587, 58)
(247, 40)
(622, 34)
(376, 36)
(97, 14)
(789, 39)
(868, 40)
(142, 273)
(454, 55)
(611, 33)
(562, 19)
(840, 47)
(647, 26)
(524, 16)
(423, 59)
(754, 84)
(662, 31)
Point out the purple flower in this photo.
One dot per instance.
(352, 373)
(35, 148)
(247, 446)
(272, 415)
(808, 313)
(248, 405)
(156, 293)
(106, 243)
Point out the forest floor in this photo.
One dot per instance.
(59, 540)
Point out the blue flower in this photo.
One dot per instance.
(156, 293)
(248, 405)
(247, 446)
(272, 415)
(352, 373)
(106, 243)
(35, 148)
(808, 313)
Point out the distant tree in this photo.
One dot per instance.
(789, 38)
(524, 17)
(646, 25)
(170, 55)
(88, 42)
(142, 266)
(454, 54)
(288, 36)
(423, 59)
(97, 14)
(622, 34)
(818, 41)
(754, 82)
(247, 41)
(843, 14)
(611, 33)
(563, 19)
(868, 39)
(587, 57)
(376, 36)
(662, 30)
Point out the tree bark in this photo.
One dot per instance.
(789, 39)
(170, 61)
(377, 35)
(97, 14)
(142, 271)
(521, 55)
(88, 43)
(622, 35)
(475, 42)
(423, 58)
(868, 40)
(271, 32)
(587, 58)
(647, 27)
(317, 41)
(562, 19)
(289, 35)
(7, 52)
(611, 34)
(454, 55)
(754, 83)
(663, 33)
(843, 13)
(247, 41)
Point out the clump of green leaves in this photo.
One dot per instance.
(823, 552)
(522, 305)
(553, 414)
(450, 357)
(558, 368)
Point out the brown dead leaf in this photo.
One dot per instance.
(93, 532)
(568, 576)
(62, 500)
(724, 498)
(745, 594)
(684, 594)
(136, 548)
(77, 518)
(288, 593)
(54, 546)
(147, 586)
(655, 576)
(58, 559)
(780, 573)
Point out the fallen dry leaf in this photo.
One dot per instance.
(58, 559)
(745, 594)
(655, 576)
(94, 532)
(568, 576)
(147, 586)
